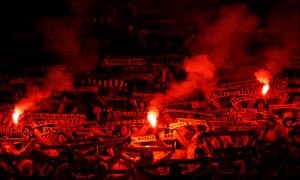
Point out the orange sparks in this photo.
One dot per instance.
(152, 117)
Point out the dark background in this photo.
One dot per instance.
(20, 19)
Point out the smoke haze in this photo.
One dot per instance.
(226, 36)
(200, 76)
(283, 28)
(61, 36)
(225, 40)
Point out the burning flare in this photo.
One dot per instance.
(152, 117)
(264, 77)
(265, 89)
(16, 116)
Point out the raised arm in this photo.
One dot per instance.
(195, 137)
(182, 140)
(22, 150)
(129, 159)
(113, 160)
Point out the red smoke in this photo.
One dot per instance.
(264, 77)
(33, 95)
(58, 78)
(283, 29)
(222, 40)
(225, 39)
(228, 38)
(62, 36)
(200, 76)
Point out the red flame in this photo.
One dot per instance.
(28, 102)
(152, 117)
(264, 77)
(265, 89)
(16, 116)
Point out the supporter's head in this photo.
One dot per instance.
(108, 151)
(199, 153)
(27, 132)
(61, 138)
(101, 170)
(26, 167)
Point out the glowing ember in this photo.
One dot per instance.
(152, 117)
(15, 116)
(264, 77)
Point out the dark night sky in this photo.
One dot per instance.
(19, 16)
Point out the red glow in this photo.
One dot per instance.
(28, 102)
(264, 77)
(265, 89)
(16, 116)
(152, 117)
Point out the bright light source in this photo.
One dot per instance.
(16, 116)
(152, 117)
(265, 89)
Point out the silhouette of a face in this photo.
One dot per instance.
(198, 153)
(26, 167)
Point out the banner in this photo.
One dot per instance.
(206, 115)
(127, 122)
(52, 116)
(123, 62)
(284, 106)
(245, 110)
(240, 99)
(241, 128)
(233, 117)
(139, 139)
(282, 96)
(145, 76)
(59, 122)
(243, 92)
(165, 137)
(234, 123)
(239, 84)
(130, 113)
(10, 130)
(142, 69)
(177, 125)
(191, 121)
(152, 138)
(115, 98)
(66, 130)
(193, 104)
